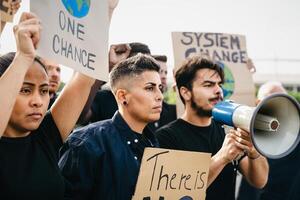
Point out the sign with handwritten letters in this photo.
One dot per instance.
(75, 34)
(172, 175)
(229, 50)
(6, 13)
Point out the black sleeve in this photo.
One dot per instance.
(104, 106)
(166, 138)
(51, 132)
(80, 166)
(294, 192)
(96, 107)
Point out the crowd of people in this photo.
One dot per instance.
(43, 156)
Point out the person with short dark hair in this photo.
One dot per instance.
(168, 113)
(54, 71)
(101, 104)
(163, 71)
(199, 82)
(102, 160)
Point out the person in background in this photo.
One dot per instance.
(163, 71)
(53, 70)
(168, 113)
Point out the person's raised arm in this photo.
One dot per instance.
(69, 104)
(27, 34)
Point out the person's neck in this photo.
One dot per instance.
(13, 133)
(136, 126)
(191, 116)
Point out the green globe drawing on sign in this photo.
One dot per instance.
(228, 86)
(77, 8)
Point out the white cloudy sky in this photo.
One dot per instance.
(271, 27)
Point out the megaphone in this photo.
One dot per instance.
(274, 124)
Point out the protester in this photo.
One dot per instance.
(199, 84)
(104, 104)
(168, 113)
(102, 160)
(163, 71)
(53, 70)
(31, 135)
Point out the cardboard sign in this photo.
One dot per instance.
(163, 176)
(227, 49)
(6, 14)
(75, 34)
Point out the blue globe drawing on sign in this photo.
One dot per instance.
(77, 8)
(228, 86)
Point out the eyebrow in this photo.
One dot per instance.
(211, 82)
(152, 84)
(31, 84)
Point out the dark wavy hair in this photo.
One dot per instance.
(186, 74)
(6, 60)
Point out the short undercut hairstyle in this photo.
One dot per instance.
(131, 67)
(186, 74)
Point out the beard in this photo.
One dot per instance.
(200, 111)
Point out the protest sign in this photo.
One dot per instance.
(229, 50)
(75, 34)
(172, 175)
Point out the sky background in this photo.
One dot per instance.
(271, 27)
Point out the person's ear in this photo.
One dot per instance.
(185, 93)
(121, 96)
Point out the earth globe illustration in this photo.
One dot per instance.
(228, 86)
(77, 8)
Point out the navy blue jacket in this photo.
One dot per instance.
(102, 160)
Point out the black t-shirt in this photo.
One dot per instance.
(28, 165)
(104, 106)
(52, 100)
(182, 135)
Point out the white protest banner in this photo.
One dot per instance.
(229, 50)
(163, 176)
(6, 13)
(75, 34)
